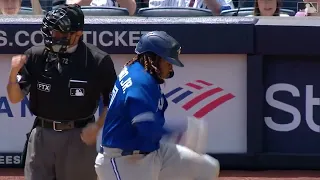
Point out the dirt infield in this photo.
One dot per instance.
(17, 174)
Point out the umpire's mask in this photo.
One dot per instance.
(62, 28)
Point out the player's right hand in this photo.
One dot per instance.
(17, 63)
(196, 136)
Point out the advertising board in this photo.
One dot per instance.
(121, 38)
(212, 87)
(33, 37)
(292, 104)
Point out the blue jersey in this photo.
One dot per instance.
(136, 112)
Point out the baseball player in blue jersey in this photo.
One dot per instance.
(131, 148)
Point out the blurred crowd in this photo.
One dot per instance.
(260, 7)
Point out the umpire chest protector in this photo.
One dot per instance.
(74, 92)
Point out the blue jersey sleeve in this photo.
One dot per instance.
(142, 111)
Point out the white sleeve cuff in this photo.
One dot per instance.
(144, 117)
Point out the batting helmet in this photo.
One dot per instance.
(162, 44)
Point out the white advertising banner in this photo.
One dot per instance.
(212, 87)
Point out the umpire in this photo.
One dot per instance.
(65, 79)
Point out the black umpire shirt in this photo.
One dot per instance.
(72, 94)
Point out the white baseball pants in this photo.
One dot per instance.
(170, 162)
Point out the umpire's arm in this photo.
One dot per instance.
(107, 78)
(19, 82)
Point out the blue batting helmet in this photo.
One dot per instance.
(162, 44)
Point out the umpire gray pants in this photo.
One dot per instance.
(62, 155)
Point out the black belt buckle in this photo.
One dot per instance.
(63, 125)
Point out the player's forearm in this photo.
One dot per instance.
(15, 94)
(129, 4)
(214, 6)
(102, 117)
(80, 2)
(36, 7)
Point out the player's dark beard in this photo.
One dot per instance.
(171, 74)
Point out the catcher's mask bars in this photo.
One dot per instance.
(58, 29)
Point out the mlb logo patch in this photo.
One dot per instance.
(77, 92)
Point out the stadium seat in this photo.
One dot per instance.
(27, 11)
(104, 11)
(173, 12)
(249, 11)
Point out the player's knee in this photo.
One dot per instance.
(213, 166)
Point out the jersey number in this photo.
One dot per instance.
(160, 104)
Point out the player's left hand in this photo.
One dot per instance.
(89, 134)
